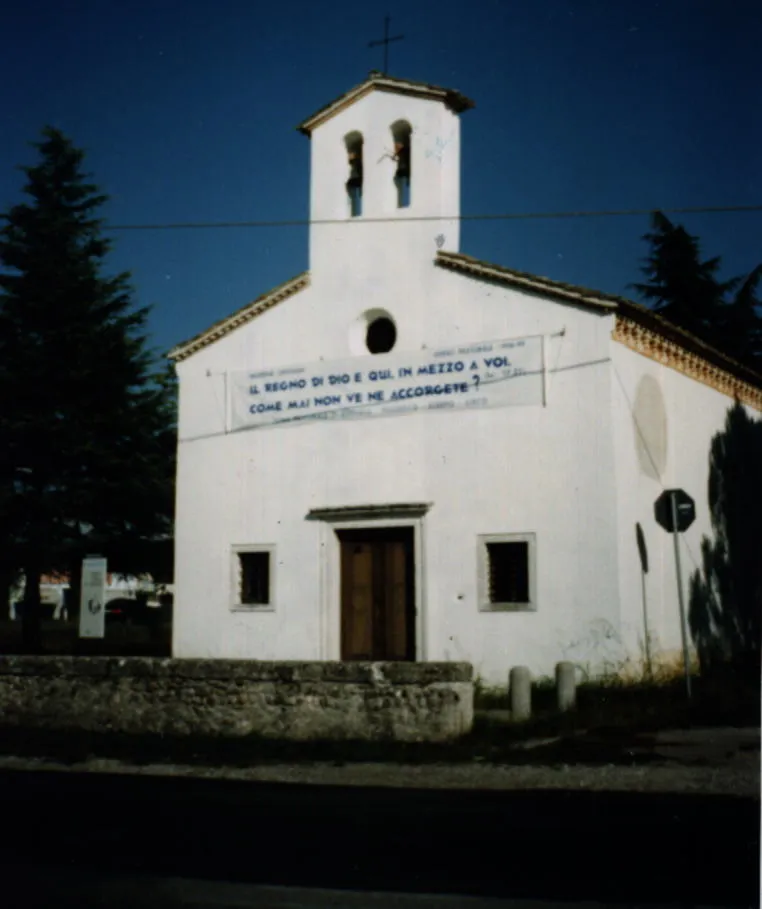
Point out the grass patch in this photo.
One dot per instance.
(493, 698)
(641, 705)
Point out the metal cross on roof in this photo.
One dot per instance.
(386, 41)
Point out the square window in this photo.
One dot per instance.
(506, 572)
(508, 565)
(252, 577)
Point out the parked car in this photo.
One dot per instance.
(133, 610)
(120, 609)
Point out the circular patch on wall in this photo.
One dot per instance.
(650, 419)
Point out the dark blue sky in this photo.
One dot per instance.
(187, 110)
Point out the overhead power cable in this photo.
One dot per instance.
(507, 216)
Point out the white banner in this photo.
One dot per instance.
(486, 374)
(92, 608)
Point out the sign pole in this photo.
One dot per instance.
(683, 622)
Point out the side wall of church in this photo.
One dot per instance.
(664, 423)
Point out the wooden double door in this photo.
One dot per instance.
(377, 594)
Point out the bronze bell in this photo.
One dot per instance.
(402, 155)
(355, 169)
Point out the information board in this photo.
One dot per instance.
(485, 374)
(92, 610)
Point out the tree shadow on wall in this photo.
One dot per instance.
(726, 592)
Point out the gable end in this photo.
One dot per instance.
(225, 326)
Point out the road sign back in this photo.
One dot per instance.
(685, 508)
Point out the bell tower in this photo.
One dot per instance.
(385, 177)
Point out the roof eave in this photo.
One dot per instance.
(452, 98)
(525, 281)
(621, 306)
(241, 317)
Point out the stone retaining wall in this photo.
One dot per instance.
(283, 700)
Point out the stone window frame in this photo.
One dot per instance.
(485, 605)
(235, 577)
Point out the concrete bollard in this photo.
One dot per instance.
(566, 686)
(520, 690)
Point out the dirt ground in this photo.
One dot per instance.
(723, 761)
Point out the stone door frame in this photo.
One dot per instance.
(371, 517)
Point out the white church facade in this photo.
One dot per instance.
(406, 453)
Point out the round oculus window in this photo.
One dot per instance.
(381, 335)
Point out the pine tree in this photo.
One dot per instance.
(687, 291)
(87, 430)
(680, 286)
(741, 328)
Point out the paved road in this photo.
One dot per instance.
(65, 889)
(60, 831)
(122, 892)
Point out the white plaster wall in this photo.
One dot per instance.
(518, 469)
(694, 414)
(377, 249)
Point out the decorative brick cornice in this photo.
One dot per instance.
(655, 346)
